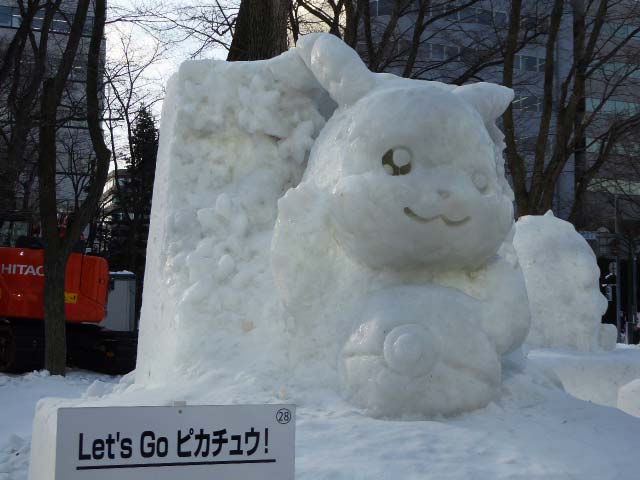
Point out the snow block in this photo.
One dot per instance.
(595, 377)
(235, 137)
(43, 439)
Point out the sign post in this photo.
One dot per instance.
(248, 442)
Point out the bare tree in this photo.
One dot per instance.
(130, 94)
(76, 165)
(198, 27)
(579, 100)
(574, 103)
(21, 72)
(413, 38)
(572, 64)
(246, 29)
(58, 248)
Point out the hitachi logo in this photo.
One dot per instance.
(16, 269)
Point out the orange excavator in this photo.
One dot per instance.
(87, 286)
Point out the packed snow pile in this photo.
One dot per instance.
(562, 279)
(19, 395)
(607, 378)
(396, 243)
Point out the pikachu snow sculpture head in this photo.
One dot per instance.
(411, 167)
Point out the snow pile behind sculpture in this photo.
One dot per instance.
(562, 278)
(392, 257)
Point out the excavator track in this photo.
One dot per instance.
(94, 348)
(88, 346)
(21, 346)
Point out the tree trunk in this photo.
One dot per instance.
(580, 153)
(57, 249)
(54, 262)
(513, 159)
(55, 317)
(261, 30)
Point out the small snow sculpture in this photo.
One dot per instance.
(562, 279)
(393, 255)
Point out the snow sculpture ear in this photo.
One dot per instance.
(549, 214)
(489, 99)
(336, 66)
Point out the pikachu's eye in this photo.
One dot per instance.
(481, 181)
(397, 161)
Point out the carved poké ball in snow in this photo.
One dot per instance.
(387, 253)
(562, 278)
(401, 360)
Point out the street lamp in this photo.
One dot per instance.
(630, 244)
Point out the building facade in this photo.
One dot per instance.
(75, 157)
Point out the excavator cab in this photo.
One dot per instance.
(15, 227)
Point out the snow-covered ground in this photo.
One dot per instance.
(19, 395)
(533, 430)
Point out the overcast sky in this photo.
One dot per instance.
(144, 43)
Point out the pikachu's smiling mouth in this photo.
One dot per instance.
(447, 221)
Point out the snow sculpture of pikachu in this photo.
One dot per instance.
(393, 255)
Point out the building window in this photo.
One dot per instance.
(451, 52)
(614, 186)
(621, 69)
(437, 11)
(16, 19)
(500, 19)
(5, 16)
(60, 24)
(381, 7)
(631, 149)
(441, 52)
(484, 17)
(437, 52)
(620, 31)
(527, 103)
(528, 63)
(616, 107)
(10, 17)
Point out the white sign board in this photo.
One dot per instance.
(234, 442)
